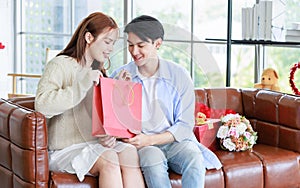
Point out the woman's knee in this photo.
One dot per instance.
(129, 157)
(108, 162)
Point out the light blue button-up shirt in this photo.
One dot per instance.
(175, 93)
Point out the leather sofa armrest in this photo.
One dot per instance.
(23, 133)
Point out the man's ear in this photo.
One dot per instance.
(88, 37)
(158, 43)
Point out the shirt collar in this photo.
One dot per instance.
(163, 70)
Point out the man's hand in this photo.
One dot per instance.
(124, 75)
(142, 140)
(139, 141)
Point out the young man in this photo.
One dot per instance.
(167, 139)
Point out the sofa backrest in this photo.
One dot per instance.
(220, 98)
(23, 146)
(276, 117)
(23, 131)
(27, 102)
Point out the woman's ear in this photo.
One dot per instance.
(158, 43)
(88, 37)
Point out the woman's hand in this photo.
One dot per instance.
(95, 76)
(107, 141)
(124, 75)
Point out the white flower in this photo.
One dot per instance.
(229, 117)
(236, 133)
(241, 128)
(227, 143)
(222, 132)
(252, 139)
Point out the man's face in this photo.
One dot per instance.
(142, 51)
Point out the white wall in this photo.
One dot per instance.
(6, 38)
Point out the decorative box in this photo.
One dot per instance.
(206, 133)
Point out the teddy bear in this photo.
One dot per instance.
(200, 118)
(269, 80)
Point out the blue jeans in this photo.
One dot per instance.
(183, 158)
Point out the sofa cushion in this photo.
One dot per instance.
(241, 168)
(6, 176)
(213, 178)
(59, 179)
(289, 138)
(277, 135)
(289, 111)
(281, 167)
(267, 133)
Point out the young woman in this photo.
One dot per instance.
(64, 96)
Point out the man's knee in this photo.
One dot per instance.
(151, 156)
(186, 155)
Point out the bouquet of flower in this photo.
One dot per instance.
(236, 133)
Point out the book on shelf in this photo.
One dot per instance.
(268, 20)
(257, 21)
(255, 12)
(246, 23)
(296, 25)
(261, 16)
(291, 38)
(293, 32)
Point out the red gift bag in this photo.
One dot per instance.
(117, 108)
(206, 134)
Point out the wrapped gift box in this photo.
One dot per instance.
(206, 133)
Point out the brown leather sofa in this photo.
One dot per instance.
(274, 162)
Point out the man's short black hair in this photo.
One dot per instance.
(145, 27)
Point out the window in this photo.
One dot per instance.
(187, 24)
(50, 24)
(191, 29)
(281, 58)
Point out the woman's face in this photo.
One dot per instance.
(141, 51)
(100, 48)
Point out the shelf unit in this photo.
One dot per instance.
(259, 46)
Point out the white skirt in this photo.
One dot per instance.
(79, 158)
